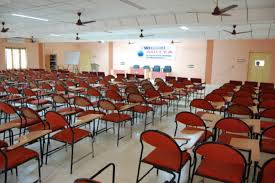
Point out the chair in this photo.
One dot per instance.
(219, 162)
(202, 104)
(231, 128)
(131, 90)
(170, 79)
(136, 66)
(68, 135)
(167, 69)
(114, 115)
(116, 97)
(120, 75)
(181, 79)
(239, 110)
(245, 101)
(267, 104)
(89, 107)
(61, 89)
(147, 67)
(156, 68)
(237, 83)
(91, 179)
(269, 114)
(193, 122)
(167, 155)
(218, 99)
(12, 158)
(266, 175)
(267, 140)
(33, 98)
(142, 108)
(251, 83)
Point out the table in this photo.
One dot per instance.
(87, 118)
(252, 145)
(8, 126)
(213, 118)
(255, 124)
(128, 106)
(191, 136)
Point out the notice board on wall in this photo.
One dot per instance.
(71, 58)
(157, 51)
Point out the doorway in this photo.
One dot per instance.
(259, 67)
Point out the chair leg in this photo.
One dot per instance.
(145, 123)
(72, 158)
(39, 170)
(118, 129)
(179, 177)
(6, 176)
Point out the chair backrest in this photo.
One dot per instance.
(113, 87)
(251, 83)
(268, 113)
(181, 79)
(234, 125)
(30, 113)
(165, 88)
(147, 67)
(267, 96)
(84, 84)
(7, 108)
(131, 89)
(237, 83)
(82, 101)
(70, 83)
(189, 119)
(196, 80)
(266, 175)
(107, 105)
(202, 104)
(242, 94)
(237, 109)
(12, 90)
(46, 86)
(120, 75)
(60, 121)
(28, 92)
(60, 88)
(267, 104)
(136, 66)
(135, 98)
(167, 69)
(147, 86)
(93, 92)
(246, 101)
(163, 143)
(156, 68)
(151, 93)
(213, 97)
(220, 152)
(113, 95)
(59, 99)
(269, 132)
(104, 82)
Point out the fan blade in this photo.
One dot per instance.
(228, 8)
(150, 35)
(243, 32)
(227, 31)
(225, 14)
(88, 22)
(200, 12)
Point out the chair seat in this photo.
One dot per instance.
(18, 156)
(87, 112)
(201, 113)
(38, 102)
(266, 124)
(268, 146)
(68, 109)
(166, 159)
(204, 136)
(3, 144)
(86, 181)
(66, 135)
(226, 137)
(116, 118)
(142, 109)
(170, 97)
(221, 171)
(26, 122)
(119, 104)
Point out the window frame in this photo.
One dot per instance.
(12, 57)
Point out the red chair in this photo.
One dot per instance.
(163, 89)
(68, 135)
(246, 101)
(33, 98)
(131, 90)
(228, 128)
(61, 89)
(270, 114)
(239, 110)
(266, 96)
(155, 99)
(266, 175)
(267, 140)
(167, 155)
(89, 107)
(203, 104)
(193, 122)
(91, 179)
(12, 158)
(214, 98)
(93, 94)
(114, 115)
(83, 84)
(116, 97)
(181, 91)
(251, 83)
(142, 108)
(237, 83)
(219, 162)
(267, 104)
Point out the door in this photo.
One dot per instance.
(259, 67)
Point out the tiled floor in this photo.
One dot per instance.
(125, 157)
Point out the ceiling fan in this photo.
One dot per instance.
(4, 30)
(143, 36)
(80, 23)
(218, 11)
(77, 37)
(174, 42)
(234, 32)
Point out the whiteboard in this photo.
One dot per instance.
(71, 58)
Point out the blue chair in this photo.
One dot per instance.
(147, 67)
(167, 69)
(136, 67)
(156, 68)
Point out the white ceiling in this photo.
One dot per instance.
(117, 20)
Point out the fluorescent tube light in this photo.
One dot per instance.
(30, 17)
(184, 28)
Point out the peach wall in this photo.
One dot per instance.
(209, 61)
(99, 52)
(187, 53)
(227, 52)
(31, 49)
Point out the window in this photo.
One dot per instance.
(259, 63)
(16, 58)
